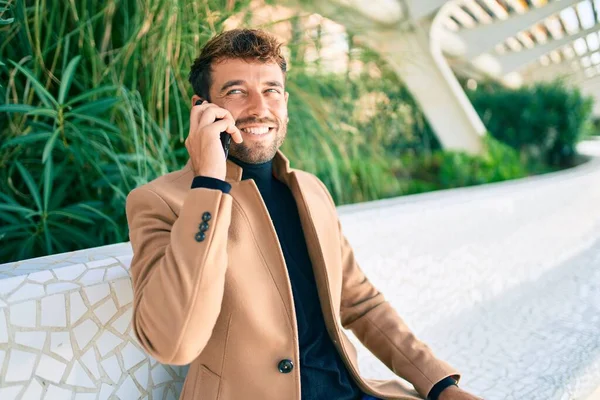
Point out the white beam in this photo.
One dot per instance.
(423, 68)
(485, 37)
(423, 8)
(512, 61)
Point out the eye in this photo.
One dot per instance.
(272, 90)
(234, 91)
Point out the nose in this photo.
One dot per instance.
(257, 106)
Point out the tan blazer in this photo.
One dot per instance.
(225, 305)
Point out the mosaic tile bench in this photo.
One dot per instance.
(503, 281)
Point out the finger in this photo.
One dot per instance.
(195, 114)
(235, 133)
(212, 113)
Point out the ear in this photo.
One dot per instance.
(196, 98)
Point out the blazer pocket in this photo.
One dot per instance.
(207, 384)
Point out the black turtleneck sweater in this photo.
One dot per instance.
(323, 375)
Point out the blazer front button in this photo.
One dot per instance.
(286, 366)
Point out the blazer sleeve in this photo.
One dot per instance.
(366, 312)
(178, 280)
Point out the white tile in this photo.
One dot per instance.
(112, 368)
(34, 390)
(60, 344)
(77, 307)
(7, 285)
(23, 314)
(123, 290)
(160, 375)
(131, 356)
(126, 260)
(2, 304)
(2, 355)
(69, 273)
(31, 339)
(158, 393)
(84, 332)
(61, 287)
(101, 263)
(117, 272)
(92, 277)
(54, 311)
(171, 395)
(41, 277)
(106, 342)
(96, 293)
(26, 292)
(141, 375)
(122, 323)
(57, 393)
(128, 390)
(50, 369)
(89, 360)
(106, 311)
(78, 377)
(3, 328)
(85, 396)
(20, 365)
(105, 391)
(10, 393)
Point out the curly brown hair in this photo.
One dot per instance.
(248, 44)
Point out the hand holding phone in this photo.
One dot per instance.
(211, 131)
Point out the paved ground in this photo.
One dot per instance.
(503, 280)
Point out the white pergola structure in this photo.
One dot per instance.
(516, 41)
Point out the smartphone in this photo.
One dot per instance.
(225, 137)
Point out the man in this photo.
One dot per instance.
(240, 267)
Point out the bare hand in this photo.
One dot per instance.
(203, 143)
(456, 393)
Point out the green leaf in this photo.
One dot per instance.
(33, 189)
(96, 107)
(50, 145)
(91, 93)
(25, 139)
(73, 215)
(17, 108)
(67, 79)
(44, 112)
(48, 180)
(95, 120)
(15, 208)
(41, 91)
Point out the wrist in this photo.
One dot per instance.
(443, 386)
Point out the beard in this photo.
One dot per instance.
(261, 151)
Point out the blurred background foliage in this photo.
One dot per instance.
(94, 101)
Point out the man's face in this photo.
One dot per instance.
(254, 94)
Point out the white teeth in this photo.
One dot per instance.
(257, 131)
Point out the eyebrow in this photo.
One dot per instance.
(238, 82)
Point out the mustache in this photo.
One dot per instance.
(255, 120)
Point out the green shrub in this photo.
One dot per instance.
(543, 121)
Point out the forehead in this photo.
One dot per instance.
(251, 72)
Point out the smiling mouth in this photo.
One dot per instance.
(257, 130)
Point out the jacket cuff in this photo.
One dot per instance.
(211, 183)
(439, 387)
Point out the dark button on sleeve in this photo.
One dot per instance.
(203, 227)
(200, 236)
(286, 366)
(206, 216)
